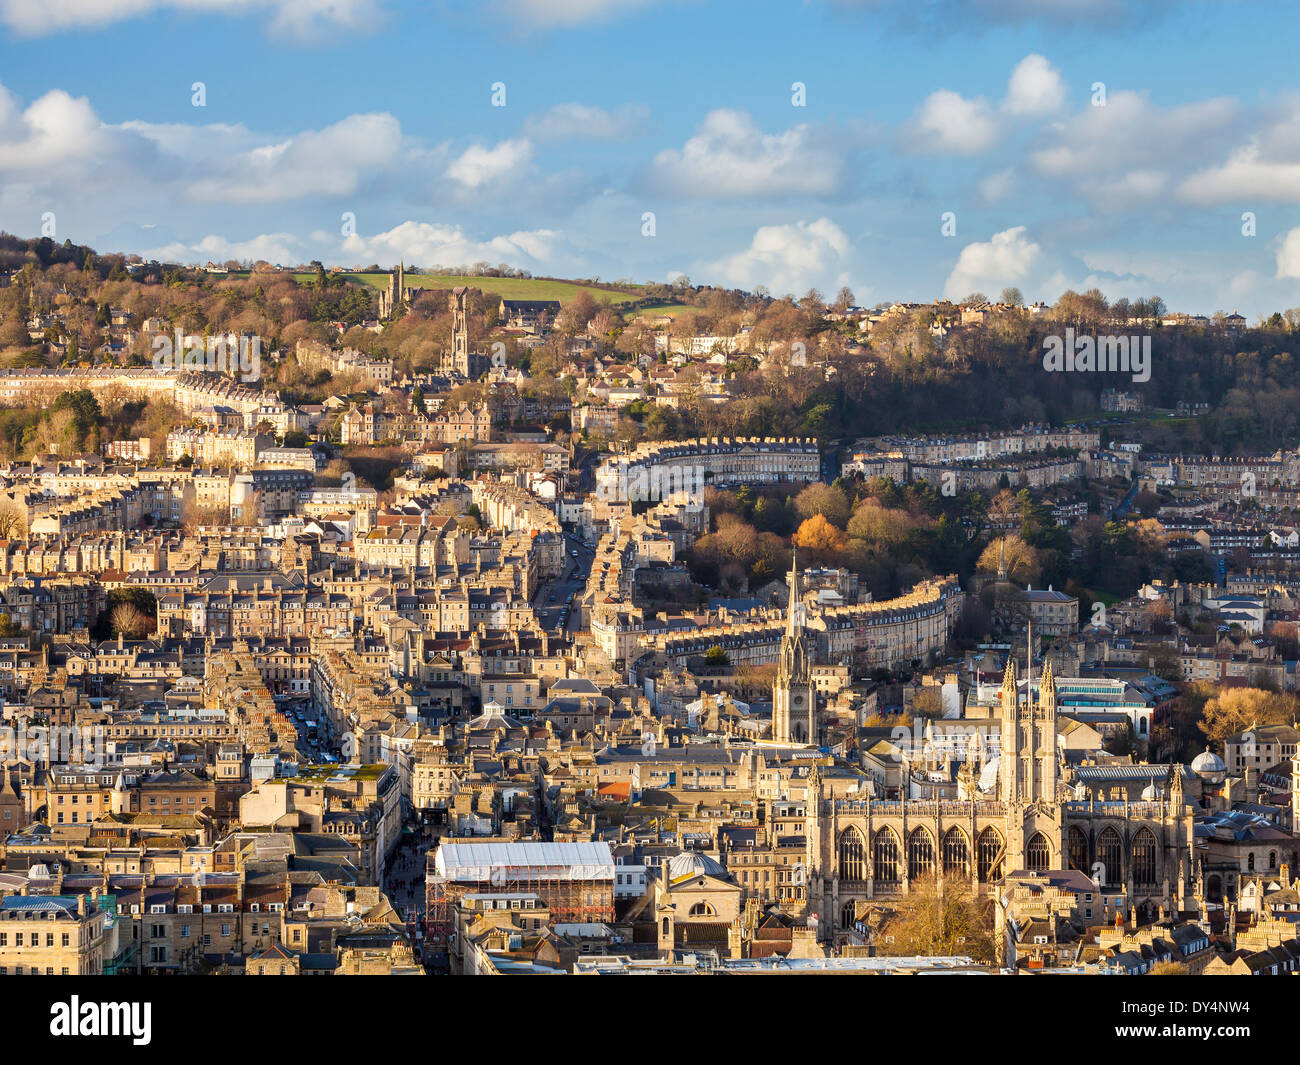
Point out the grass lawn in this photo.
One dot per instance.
(510, 288)
(670, 309)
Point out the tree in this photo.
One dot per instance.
(1023, 562)
(1234, 710)
(716, 656)
(933, 921)
(825, 499)
(1012, 297)
(820, 539)
(130, 621)
(927, 703)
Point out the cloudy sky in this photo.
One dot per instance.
(907, 148)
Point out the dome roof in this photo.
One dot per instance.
(1150, 793)
(1208, 762)
(692, 863)
(989, 775)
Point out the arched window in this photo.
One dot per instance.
(1038, 855)
(1110, 856)
(884, 857)
(956, 855)
(1250, 862)
(703, 909)
(1272, 859)
(920, 854)
(1077, 846)
(1144, 859)
(848, 915)
(988, 854)
(852, 854)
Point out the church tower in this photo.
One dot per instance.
(460, 330)
(1029, 758)
(794, 698)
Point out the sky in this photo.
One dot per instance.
(910, 149)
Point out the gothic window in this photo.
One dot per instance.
(848, 915)
(956, 857)
(1272, 859)
(988, 854)
(852, 853)
(1038, 855)
(1250, 862)
(885, 857)
(1077, 844)
(920, 854)
(1110, 856)
(1144, 859)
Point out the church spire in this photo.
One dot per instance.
(1010, 693)
(792, 605)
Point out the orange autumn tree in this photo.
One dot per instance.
(820, 539)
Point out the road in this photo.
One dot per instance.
(552, 602)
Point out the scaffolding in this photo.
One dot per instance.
(575, 881)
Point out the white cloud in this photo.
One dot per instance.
(1133, 144)
(789, 258)
(54, 129)
(433, 244)
(294, 18)
(549, 13)
(478, 165)
(59, 144)
(273, 247)
(997, 186)
(1005, 260)
(576, 121)
(1246, 174)
(950, 124)
(1034, 89)
(1288, 254)
(327, 162)
(730, 156)
(1266, 168)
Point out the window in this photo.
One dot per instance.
(884, 856)
(1038, 855)
(851, 855)
(956, 859)
(920, 854)
(1144, 859)
(988, 855)
(1110, 858)
(1077, 849)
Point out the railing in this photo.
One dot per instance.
(920, 808)
(1116, 808)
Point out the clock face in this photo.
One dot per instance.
(798, 700)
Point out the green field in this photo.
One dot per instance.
(670, 309)
(510, 288)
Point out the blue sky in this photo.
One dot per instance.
(383, 109)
